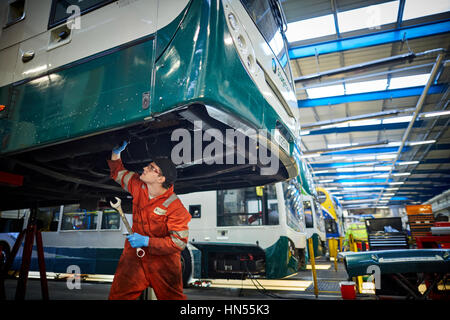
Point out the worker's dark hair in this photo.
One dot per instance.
(168, 170)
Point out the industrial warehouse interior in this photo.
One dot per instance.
(241, 151)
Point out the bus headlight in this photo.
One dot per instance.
(232, 21)
(241, 40)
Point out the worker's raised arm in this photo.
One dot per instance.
(128, 180)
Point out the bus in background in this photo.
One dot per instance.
(257, 230)
(332, 214)
(71, 235)
(79, 77)
(314, 220)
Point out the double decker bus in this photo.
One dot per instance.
(79, 77)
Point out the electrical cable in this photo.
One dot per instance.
(264, 291)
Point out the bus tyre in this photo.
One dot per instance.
(186, 266)
(4, 253)
(301, 259)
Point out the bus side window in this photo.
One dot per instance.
(47, 218)
(16, 12)
(79, 220)
(195, 211)
(60, 10)
(110, 220)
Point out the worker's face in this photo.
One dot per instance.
(151, 173)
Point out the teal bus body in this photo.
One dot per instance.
(104, 91)
(77, 112)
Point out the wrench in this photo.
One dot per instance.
(139, 251)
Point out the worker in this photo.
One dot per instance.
(160, 228)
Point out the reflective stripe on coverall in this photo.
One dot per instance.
(164, 220)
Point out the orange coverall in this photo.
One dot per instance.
(164, 220)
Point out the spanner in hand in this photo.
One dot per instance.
(139, 251)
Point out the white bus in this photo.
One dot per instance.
(237, 231)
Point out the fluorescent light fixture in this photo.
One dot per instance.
(335, 125)
(381, 176)
(382, 207)
(359, 123)
(397, 119)
(312, 155)
(435, 114)
(311, 28)
(382, 168)
(351, 169)
(358, 201)
(340, 145)
(338, 158)
(369, 17)
(321, 171)
(394, 144)
(383, 201)
(365, 86)
(354, 182)
(365, 158)
(409, 81)
(417, 8)
(386, 156)
(304, 133)
(362, 189)
(389, 194)
(325, 181)
(401, 174)
(395, 183)
(328, 91)
(406, 163)
(391, 189)
(421, 142)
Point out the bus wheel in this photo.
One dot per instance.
(4, 254)
(301, 259)
(186, 266)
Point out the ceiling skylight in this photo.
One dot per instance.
(409, 81)
(417, 8)
(311, 28)
(327, 91)
(371, 17)
(365, 86)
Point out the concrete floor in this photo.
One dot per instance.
(328, 285)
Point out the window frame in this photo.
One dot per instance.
(283, 36)
(53, 23)
(8, 24)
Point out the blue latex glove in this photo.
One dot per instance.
(137, 240)
(118, 150)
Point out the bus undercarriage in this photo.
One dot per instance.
(77, 170)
